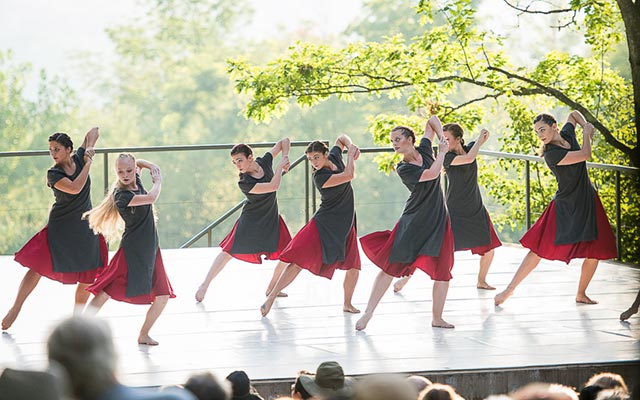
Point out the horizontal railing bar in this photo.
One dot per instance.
(226, 146)
(141, 149)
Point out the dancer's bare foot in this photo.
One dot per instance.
(625, 315)
(147, 340)
(363, 321)
(484, 286)
(350, 309)
(502, 297)
(266, 307)
(9, 319)
(584, 299)
(202, 290)
(400, 284)
(440, 323)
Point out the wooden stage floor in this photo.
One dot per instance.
(540, 325)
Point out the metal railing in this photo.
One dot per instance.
(310, 192)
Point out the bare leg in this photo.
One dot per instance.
(349, 286)
(529, 263)
(397, 287)
(380, 285)
(29, 282)
(96, 303)
(152, 316)
(589, 266)
(274, 279)
(288, 275)
(82, 295)
(440, 289)
(218, 264)
(485, 263)
(632, 310)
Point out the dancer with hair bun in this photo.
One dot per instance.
(65, 250)
(260, 231)
(329, 240)
(422, 238)
(574, 224)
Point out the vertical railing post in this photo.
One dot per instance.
(105, 172)
(209, 238)
(618, 230)
(527, 194)
(306, 191)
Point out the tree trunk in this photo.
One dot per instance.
(631, 16)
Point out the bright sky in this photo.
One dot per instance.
(48, 34)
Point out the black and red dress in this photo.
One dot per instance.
(574, 224)
(260, 230)
(422, 238)
(66, 249)
(136, 272)
(328, 241)
(470, 222)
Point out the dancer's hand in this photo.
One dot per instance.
(284, 163)
(353, 151)
(443, 146)
(89, 152)
(483, 137)
(156, 176)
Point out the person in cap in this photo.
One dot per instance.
(329, 379)
(241, 385)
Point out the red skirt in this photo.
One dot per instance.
(495, 241)
(36, 256)
(541, 236)
(113, 281)
(305, 250)
(256, 258)
(377, 246)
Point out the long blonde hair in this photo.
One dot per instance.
(105, 218)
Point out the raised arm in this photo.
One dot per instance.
(90, 138)
(282, 146)
(154, 193)
(473, 152)
(274, 184)
(75, 186)
(584, 154)
(140, 164)
(433, 126)
(434, 171)
(353, 153)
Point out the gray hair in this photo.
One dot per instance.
(83, 345)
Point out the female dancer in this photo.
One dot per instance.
(422, 237)
(260, 230)
(328, 241)
(136, 272)
(470, 222)
(574, 224)
(66, 250)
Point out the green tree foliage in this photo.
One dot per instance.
(454, 55)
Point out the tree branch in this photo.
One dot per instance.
(573, 104)
(527, 9)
